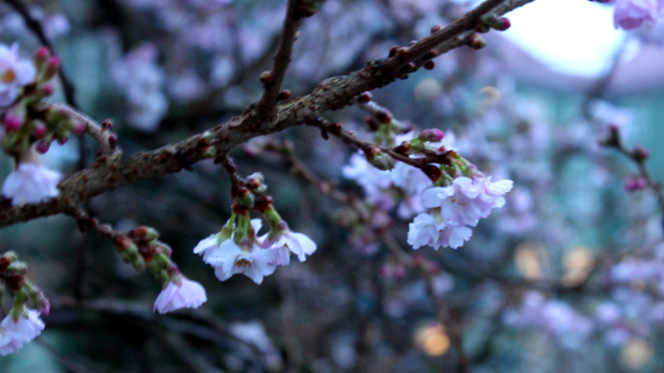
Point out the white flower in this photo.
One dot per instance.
(425, 230)
(14, 73)
(228, 259)
(369, 177)
(467, 200)
(412, 180)
(298, 243)
(185, 294)
(16, 333)
(31, 183)
(212, 244)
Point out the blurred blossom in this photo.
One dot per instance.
(141, 80)
(554, 317)
(186, 86)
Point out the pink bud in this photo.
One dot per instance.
(42, 56)
(12, 122)
(433, 135)
(63, 140)
(40, 130)
(399, 272)
(635, 183)
(502, 24)
(79, 127)
(386, 271)
(42, 146)
(51, 68)
(48, 89)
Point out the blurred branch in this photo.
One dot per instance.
(331, 94)
(65, 361)
(639, 156)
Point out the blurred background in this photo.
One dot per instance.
(567, 277)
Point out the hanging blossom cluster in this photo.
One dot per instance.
(237, 248)
(22, 324)
(26, 128)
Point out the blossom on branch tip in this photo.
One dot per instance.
(15, 333)
(14, 73)
(631, 14)
(230, 259)
(298, 243)
(467, 200)
(180, 293)
(31, 183)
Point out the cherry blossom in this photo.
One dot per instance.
(467, 200)
(631, 14)
(229, 259)
(425, 230)
(298, 243)
(16, 333)
(180, 293)
(31, 183)
(14, 73)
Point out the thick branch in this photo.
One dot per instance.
(332, 94)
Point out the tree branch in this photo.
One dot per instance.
(109, 173)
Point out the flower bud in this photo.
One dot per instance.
(51, 68)
(18, 267)
(432, 135)
(12, 122)
(43, 146)
(476, 42)
(245, 198)
(41, 57)
(636, 183)
(382, 161)
(640, 153)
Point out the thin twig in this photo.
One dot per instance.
(282, 58)
(65, 361)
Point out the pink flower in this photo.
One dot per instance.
(180, 292)
(30, 183)
(14, 73)
(16, 333)
(425, 230)
(467, 200)
(631, 14)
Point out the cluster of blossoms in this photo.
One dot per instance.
(552, 316)
(26, 127)
(631, 14)
(237, 247)
(22, 324)
(141, 248)
(141, 80)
